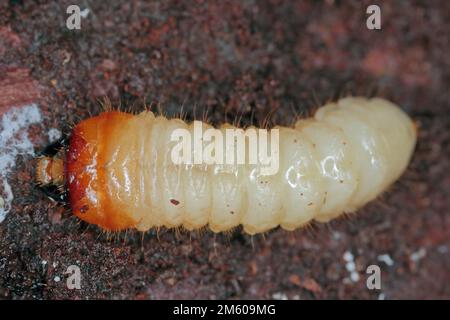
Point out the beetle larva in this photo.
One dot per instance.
(119, 174)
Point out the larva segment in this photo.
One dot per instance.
(302, 185)
(197, 194)
(120, 175)
(337, 167)
(228, 193)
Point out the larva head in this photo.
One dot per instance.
(86, 172)
(49, 173)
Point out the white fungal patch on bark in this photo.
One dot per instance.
(386, 258)
(351, 266)
(14, 140)
(54, 134)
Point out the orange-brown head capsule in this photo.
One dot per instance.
(87, 170)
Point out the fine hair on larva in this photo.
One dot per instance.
(117, 171)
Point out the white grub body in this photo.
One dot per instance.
(330, 164)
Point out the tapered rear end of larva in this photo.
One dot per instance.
(380, 138)
(394, 137)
